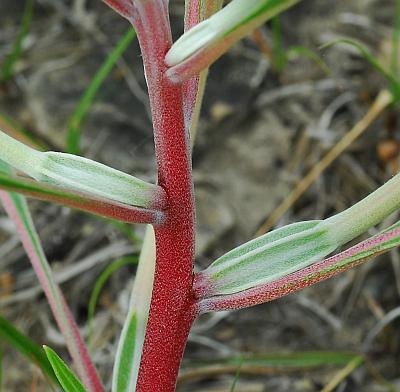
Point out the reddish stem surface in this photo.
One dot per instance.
(172, 308)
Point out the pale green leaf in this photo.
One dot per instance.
(80, 174)
(66, 377)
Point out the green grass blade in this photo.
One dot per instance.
(389, 76)
(279, 54)
(271, 363)
(99, 284)
(1, 368)
(73, 133)
(295, 51)
(32, 351)
(7, 69)
(395, 42)
(17, 208)
(284, 360)
(236, 379)
(66, 377)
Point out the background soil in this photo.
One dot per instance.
(260, 133)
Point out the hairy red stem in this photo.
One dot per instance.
(172, 309)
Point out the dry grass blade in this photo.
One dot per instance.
(342, 374)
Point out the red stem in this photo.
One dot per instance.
(172, 308)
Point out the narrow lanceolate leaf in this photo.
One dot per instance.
(268, 258)
(67, 378)
(18, 211)
(81, 201)
(204, 43)
(294, 247)
(322, 270)
(130, 345)
(81, 174)
(27, 347)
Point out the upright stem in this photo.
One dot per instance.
(172, 307)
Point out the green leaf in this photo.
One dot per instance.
(80, 174)
(100, 282)
(7, 70)
(204, 43)
(102, 207)
(123, 375)
(27, 347)
(312, 274)
(296, 246)
(66, 377)
(130, 345)
(73, 133)
(270, 256)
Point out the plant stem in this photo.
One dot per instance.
(172, 309)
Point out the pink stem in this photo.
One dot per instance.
(60, 309)
(172, 308)
(299, 280)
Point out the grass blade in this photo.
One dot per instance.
(17, 208)
(67, 378)
(268, 364)
(27, 347)
(395, 42)
(75, 123)
(293, 360)
(7, 69)
(296, 51)
(343, 374)
(99, 284)
(390, 77)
